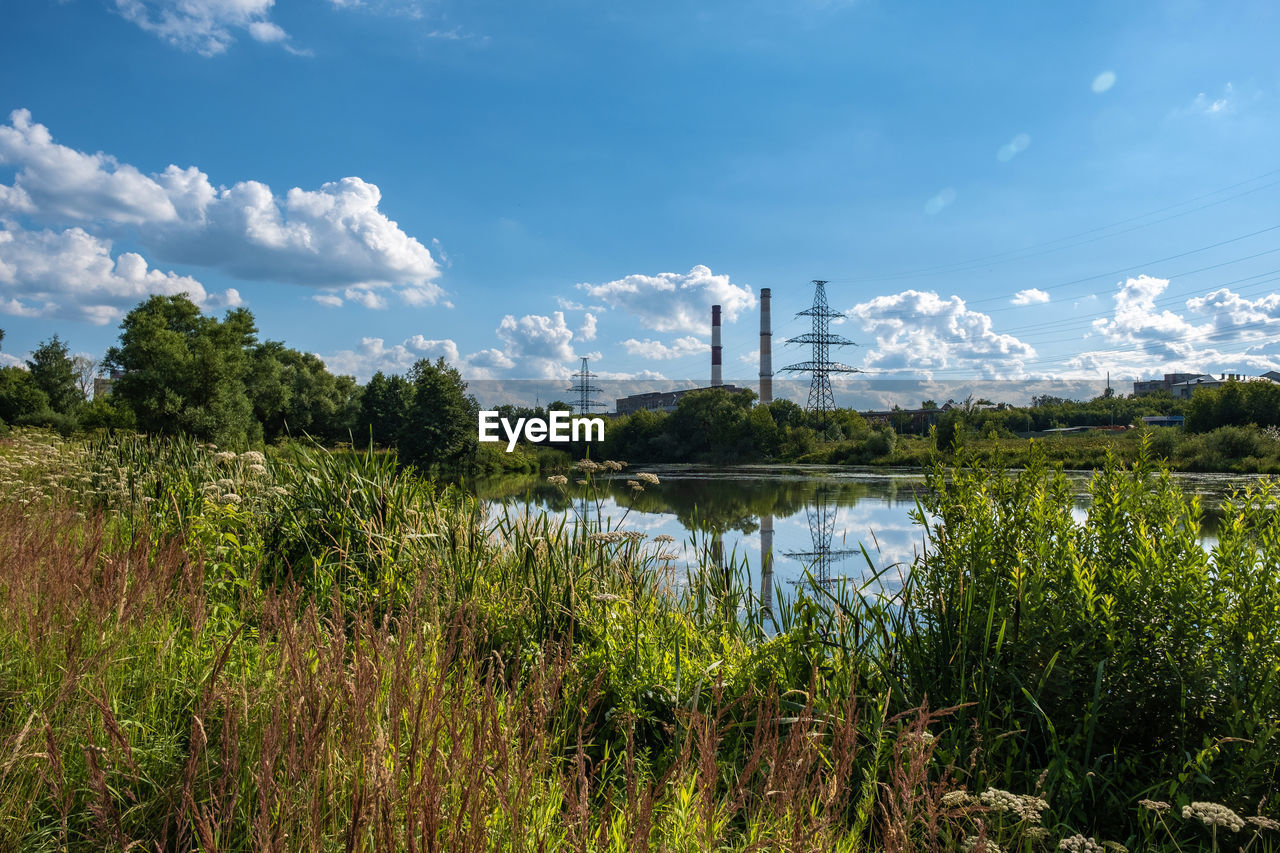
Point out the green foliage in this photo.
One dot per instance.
(19, 394)
(53, 372)
(441, 429)
(1120, 656)
(1234, 404)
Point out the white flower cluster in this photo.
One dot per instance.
(970, 843)
(1214, 814)
(1027, 808)
(1080, 844)
(955, 799)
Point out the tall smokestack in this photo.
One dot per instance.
(766, 561)
(766, 348)
(715, 347)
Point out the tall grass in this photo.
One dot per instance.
(312, 651)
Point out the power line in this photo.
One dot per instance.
(820, 366)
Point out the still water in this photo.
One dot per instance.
(798, 522)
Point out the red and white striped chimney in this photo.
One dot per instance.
(716, 379)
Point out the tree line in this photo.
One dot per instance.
(180, 371)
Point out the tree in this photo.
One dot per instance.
(442, 425)
(19, 395)
(86, 368)
(385, 406)
(185, 372)
(54, 373)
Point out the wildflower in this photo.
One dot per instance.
(232, 498)
(558, 480)
(257, 470)
(1263, 822)
(646, 477)
(587, 466)
(662, 537)
(1079, 844)
(1154, 805)
(634, 485)
(1214, 814)
(610, 465)
(1115, 846)
(971, 843)
(224, 456)
(253, 457)
(954, 799)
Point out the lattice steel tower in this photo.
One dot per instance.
(585, 391)
(821, 399)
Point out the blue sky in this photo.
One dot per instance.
(1011, 191)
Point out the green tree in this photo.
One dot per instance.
(385, 404)
(185, 372)
(19, 395)
(441, 429)
(54, 372)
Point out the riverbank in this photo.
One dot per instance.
(303, 650)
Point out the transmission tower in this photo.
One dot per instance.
(585, 391)
(821, 400)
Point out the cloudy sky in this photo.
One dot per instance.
(1008, 191)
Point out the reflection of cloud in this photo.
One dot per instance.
(1104, 81)
(935, 205)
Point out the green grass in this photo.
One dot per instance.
(311, 650)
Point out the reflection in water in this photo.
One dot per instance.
(822, 524)
(796, 519)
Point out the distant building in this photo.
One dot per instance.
(661, 401)
(102, 384)
(1184, 390)
(1153, 386)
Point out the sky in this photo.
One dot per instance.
(997, 191)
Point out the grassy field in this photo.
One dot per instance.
(204, 650)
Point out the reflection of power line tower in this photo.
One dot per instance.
(821, 400)
(822, 524)
(585, 391)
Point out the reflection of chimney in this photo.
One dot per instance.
(715, 347)
(766, 558)
(766, 350)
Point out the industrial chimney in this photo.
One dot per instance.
(766, 348)
(716, 380)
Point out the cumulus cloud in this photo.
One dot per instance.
(918, 332)
(588, 330)
(206, 27)
(675, 302)
(1030, 296)
(72, 274)
(679, 348)
(373, 355)
(334, 238)
(539, 345)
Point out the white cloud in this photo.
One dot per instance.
(679, 348)
(72, 274)
(1103, 81)
(1235, 335)
(675, 302)
(538, 345)
(588, 330)
(918, 332)
(1013, 148)
(334, 237)
(328, 299)
(206, 27)
(373, 355)
(1030, 296)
